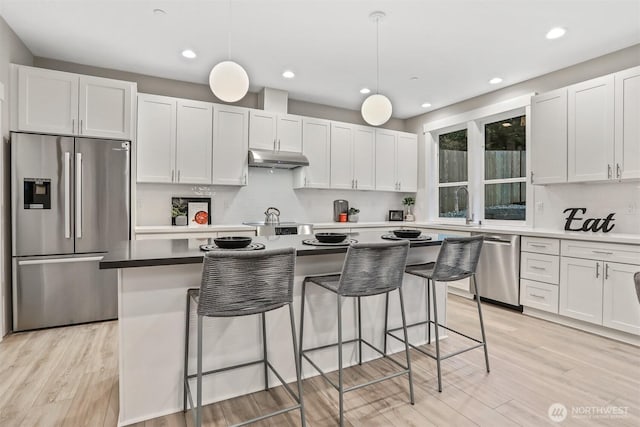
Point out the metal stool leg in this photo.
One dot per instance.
(386, 321)
(304, 289)
(406, 345)
(359, 333)
(199, 377)
(264, 351)
(186, 354)
(435, 318)
(296, 361)
(428, 312)
(340, 379)
(484, 338)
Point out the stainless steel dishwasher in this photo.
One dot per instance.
(498, 272)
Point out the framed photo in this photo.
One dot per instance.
(396, 215)
(191, 211)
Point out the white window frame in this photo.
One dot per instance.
(438, 184)
(474, 121)
(481, 177)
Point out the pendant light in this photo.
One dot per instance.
(228, 80)
(376, 109)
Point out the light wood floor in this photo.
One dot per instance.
(68, 377)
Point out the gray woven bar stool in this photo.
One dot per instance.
(369, 269)
(457, 259)
(243, 283)
(636, 279)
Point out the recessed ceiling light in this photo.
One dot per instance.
(159, 12)
(414, 78)
(426, 105)
(365, 90)
(556, 33)
(188, 53)
(288, 74)
(495, 80)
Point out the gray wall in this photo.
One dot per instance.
(11, 50)
(200, 92)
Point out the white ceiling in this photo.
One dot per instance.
(453, 46)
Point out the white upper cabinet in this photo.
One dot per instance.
(289, 133)
(105, 107)
(407, 162)
(590, 130)
(230, 145)
(386, 160)
(71, 104)
(627, 125)
(156, 143)
(193, 142)
(316, 146)
(262, 130)
(396, 161)
(549, 137)
(342, 135)
(47, 101)
(364, 157)
(272, 131)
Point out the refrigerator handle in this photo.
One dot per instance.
(78, 195)
(67, 195)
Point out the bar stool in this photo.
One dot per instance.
(457, 259)
(636, 279)
(369, 269)
(243, 283)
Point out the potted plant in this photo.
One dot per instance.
(409, 202)
(353, 214)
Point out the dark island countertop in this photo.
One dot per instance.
(149, 253)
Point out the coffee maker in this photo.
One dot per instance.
(340, 207)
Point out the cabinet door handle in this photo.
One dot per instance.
(172, 174)
(278, 145)
(618, 171)
(244, 179)
(356, 183)
(274, 145)
(606, 271)
(178, 175)
(602, 252)
(609, 171)
(532, 177)
(597, 270)
(80, 127)
(305, 181)
(73, 125)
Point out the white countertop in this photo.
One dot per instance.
(632, 239)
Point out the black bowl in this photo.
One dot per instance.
(330, 237)
(407, 234)
(232, 242)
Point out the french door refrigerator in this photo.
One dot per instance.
(70, 204)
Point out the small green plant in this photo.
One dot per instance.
(354, 211)
(409, 201)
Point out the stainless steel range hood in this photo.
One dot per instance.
(277, 159)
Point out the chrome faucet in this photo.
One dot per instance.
(469, 215)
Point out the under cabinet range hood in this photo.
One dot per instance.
(277, 159)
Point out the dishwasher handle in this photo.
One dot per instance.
(495, 239)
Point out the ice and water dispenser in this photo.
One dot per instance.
(37, 193)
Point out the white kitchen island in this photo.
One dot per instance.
(153, 280)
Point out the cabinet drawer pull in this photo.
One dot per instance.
(602, 252)
(609, 171)
(618, 171)
(538, 245)
(606, 271)
(537, 296)
(535, 267)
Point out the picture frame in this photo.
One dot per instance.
(185, 209)
(396, 215)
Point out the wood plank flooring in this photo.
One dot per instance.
(69, 377)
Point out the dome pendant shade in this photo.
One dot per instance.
(229, 81)
(376, 109)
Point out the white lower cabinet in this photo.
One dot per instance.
(542, 296)
(620, 307)
(581, 289)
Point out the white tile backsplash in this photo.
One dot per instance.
(600, 199)
(267, 187)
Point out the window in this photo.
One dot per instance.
(505, 169)
(453, 174)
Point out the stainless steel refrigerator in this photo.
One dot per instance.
(70, 204)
